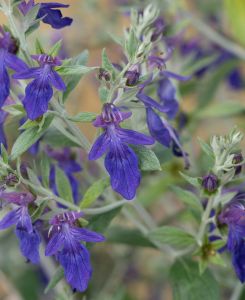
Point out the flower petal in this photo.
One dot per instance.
(29, 244)
(28, 73)
(99, 147)
(57, 81)
(55, 244)
(4, 80)
(157, 128)
(122, 165)
(149, 102)
(133, 137)
(15, 63)
(175, 76)
(75, 260)
(10, 219)
(53, 17)
(86, 235)
(38, 95)
(238, 261)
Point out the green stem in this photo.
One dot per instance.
(205, 220)
(237, 291)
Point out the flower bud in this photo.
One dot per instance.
(104, 74)
(210, 183)
(11, 180)
(238, 158)
(132, 76)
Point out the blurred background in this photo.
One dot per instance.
(212, 102)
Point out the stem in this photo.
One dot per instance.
(206, 217)
(237, 291)
(216, 37)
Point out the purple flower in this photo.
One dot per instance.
(121, 162)
(39, 92)
(210, 183)
(3, 116)
(65, 244)
(167, 94)
(28, 237)
(8, 59)
(48, 12)
(66, 161)
(132, 75)
(159, 26)
(233, 216)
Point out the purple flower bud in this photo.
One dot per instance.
(11, 179)
(104, 75)
(210, 183)
(132, 75)
(159, 26)
(237, 159)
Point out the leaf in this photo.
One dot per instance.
(45, 170)
(100, 222)
(103, 93)
(58, 275)
(188, 198)
(39, 47)
(54, 51)
(221, 110)
(27, 138)
(94, 191)
(187, 284)
(205, 147)
(83, 117)
(55, 138)
(211, 83)
(15, 109)
(63, 185)
(106, 64)
(192, 180)
(148, 160)
(131, 45)
(33, 177)
(72, 81)
(132, 237)
(4, 154)
(172, 236)
(74, 70)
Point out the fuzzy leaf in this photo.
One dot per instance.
(58, 275)
(188, 198)
(172, 236)
(94, 191)
(63, 185)
(83, 117)
(148, 160)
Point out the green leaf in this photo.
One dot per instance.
(58, 275)
(63, 185)
(45, 170)
(100, 222)
(30, 19)
(74, 70)
(106, 64)
(205, 147)
(132, 237)
(27, 138)
(192, 180)
(94, 191)
(15, 109)
(188, 198)
(4, 154)
(221, 110)
(187, 284)
(131, 45)
(55, 138)
(172, 236)
(148, 160)
(72, 81)
(39, 47)
(211, 83)
(33, 177)
(83, 117)
(54, 51)
(103, 93)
